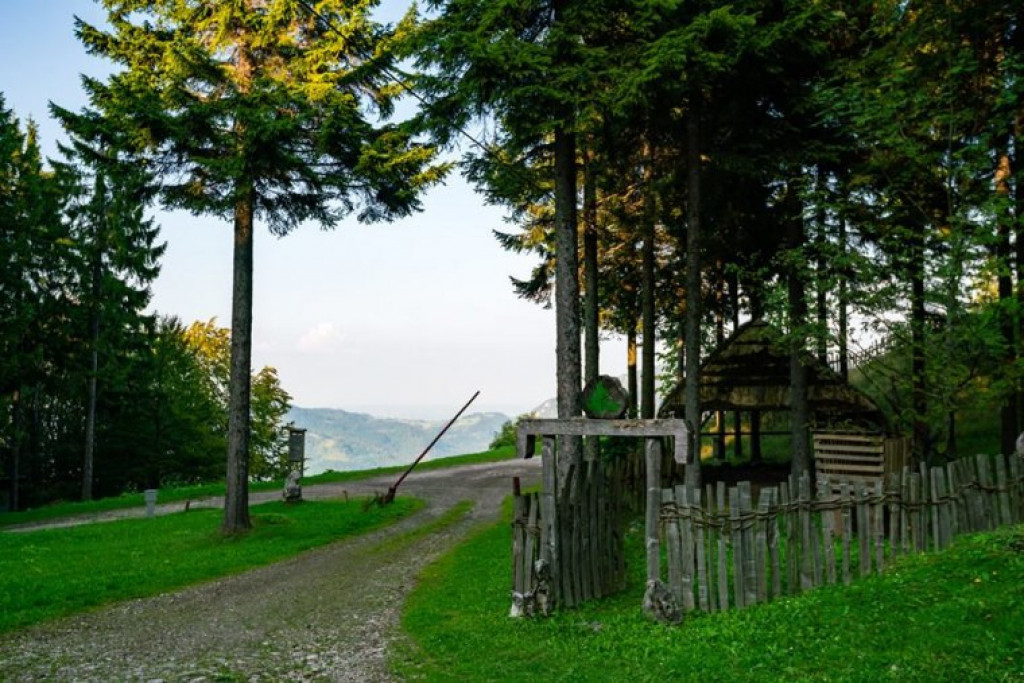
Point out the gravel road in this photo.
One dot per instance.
(328, 614)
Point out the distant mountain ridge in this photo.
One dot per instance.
(340, 440)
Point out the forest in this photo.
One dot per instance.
(848, 170)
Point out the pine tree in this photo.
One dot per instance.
(254, 109)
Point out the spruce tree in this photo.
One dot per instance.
(247, 110)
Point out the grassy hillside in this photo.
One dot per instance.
(954, 616)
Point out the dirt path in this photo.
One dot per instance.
(329, 614)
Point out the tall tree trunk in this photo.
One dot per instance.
(631, 379)
(719, 340)
(693, 281)
(94, 354)
(918, 391)
(236, 500)
(737, 416)
(567, 290)
(799, 414)
(844, 325)
(821, 271)
(591, 305)
(1018, 230)
(1004, 218)
(648, 298)
(16, 436)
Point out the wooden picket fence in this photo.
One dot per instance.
(724, 551)
(588, 561)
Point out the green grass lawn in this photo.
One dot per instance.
(55, 572)
(182, 493)
(953, 616)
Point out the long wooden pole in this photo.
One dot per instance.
(390, 496)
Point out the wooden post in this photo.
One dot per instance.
(749, 553)
(773, 545)
(723, 567)
(828, 518)
(806, 547)
(549, 514)
(863, 529)
(736, 540)
(652, 456)
(844, 499)
(696, 522)
(879, 527)
(673, 547)
(761, 554)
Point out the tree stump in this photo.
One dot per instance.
(605, 399)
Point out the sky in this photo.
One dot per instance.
(406, 319)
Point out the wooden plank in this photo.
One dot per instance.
(847, 515)
(685, 497)
(723, 567)
(985, 481)
(761, 544)
(749, 553)
(892, 492)
(863, 529)
(530, 556)
(697, 524)
(1003, 493)
(519, 512)
(953, 495)
(581, 426)
(584, 522)
(594, 495)
(711, 540)
(828, 517)
(904, 519)
(1016, 492)
(652, 456)
(792, 544)
(673, 548)
(806, 547)
(736, 541)
(549, 514)
(916, 543)
(878, 526)
(941, 516)
(773, 545)
(565, 519)
(927, 530)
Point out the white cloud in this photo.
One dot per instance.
(322, 337)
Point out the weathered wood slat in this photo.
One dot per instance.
(736, 541)
(698, 526)
(579, 426)
(723, 567)
(773, 546)
(828, 517)
(806, 559)
(1003, 492)
(673, 546)
(847, 508)
(652, 456)
(761, 541)
(747, 537)
(792, 544)
(878, 526)
(685, 495)
(863, 529)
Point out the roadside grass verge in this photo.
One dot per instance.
(56, 572)
(955, 615)
(182, 493)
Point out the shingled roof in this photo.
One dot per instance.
(750, 371)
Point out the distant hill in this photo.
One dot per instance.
(340, 440)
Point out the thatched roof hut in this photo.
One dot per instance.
(750, 372)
